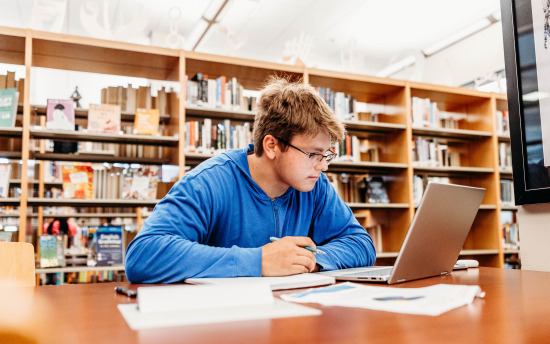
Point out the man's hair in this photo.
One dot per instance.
(288, 108)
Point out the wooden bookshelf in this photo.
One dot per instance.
(475, 137)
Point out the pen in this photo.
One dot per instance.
(126, 291)
(309, 248)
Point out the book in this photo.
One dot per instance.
(109, 245)
(78, 181)
(5, 172)
(104, 118)
(8, 107)
(146, 121)
(48, 251)
(60, 114)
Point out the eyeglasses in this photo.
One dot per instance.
(314, 158)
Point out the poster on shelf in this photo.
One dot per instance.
(104, 118)
(541, 33)
(8, 107)
(60, 114)
(109, 245)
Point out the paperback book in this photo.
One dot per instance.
(104, 118)
(109, 245)
(48, 251)
(60, 114)
(78, 181)
(5, 172)
(8, 107)
(146, 121)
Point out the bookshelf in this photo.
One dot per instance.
(472, 140)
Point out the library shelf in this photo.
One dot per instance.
(10, 201)
(78, 202)
(15, 132)
(87, 215)
(86, 157)
(453, 170)
(65, 135)
(365, 166)
(219, 113)
(451, 133)
(356, 206)
(79, 269)
(125, 116)
(462, 253)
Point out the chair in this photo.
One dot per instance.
(17, 263)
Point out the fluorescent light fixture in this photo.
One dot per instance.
(457, 37)
(196, 34)
(396, 67)
(534, 96)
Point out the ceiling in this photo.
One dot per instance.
(361, 36)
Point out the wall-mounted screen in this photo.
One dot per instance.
(526, 32)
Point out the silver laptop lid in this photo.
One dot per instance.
(438, 231)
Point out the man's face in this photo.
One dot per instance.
(297, 169)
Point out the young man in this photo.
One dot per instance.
(217, 220)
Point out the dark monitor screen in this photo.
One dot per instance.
(526, 33)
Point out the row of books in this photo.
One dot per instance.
(507, 192)
(221, 93)
(102, 181)
(420, 183)
(433, 153)
(353, 188)
(11, 92)
(502, 123)
(355, 149)
(504, 157)
(60, 278)
(206, 137)
(426, 114)
(130, 99)
(510, 236)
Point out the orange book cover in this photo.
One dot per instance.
(78, 181)
(146, 121)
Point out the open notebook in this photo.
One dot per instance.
(276, 283)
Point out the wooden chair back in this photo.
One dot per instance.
(17, 264)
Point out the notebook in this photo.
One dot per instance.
(434, 240)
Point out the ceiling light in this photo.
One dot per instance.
(457, 37)
(396, 67)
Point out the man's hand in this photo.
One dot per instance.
(287, 256)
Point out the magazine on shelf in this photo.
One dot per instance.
(48, 251)
(146, 121)
(78, 181)
(104, 118)
(109, 245)
(60, 114)
(8, 107)
(376, 190)
(5, 172)
(141, 183)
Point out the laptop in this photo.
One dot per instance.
(434, 240)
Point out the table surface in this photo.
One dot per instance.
(516, 309)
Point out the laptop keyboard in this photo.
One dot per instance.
(373, 272)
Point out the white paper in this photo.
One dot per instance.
(190, 297)
(276, 283)
(279, 309)
(433, 300)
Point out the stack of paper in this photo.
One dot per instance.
(165, 306)
(432, 300)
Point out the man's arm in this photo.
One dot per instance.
(338, 233)
(169, 246)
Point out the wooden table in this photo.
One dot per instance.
(516, 309)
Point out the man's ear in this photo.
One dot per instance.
(271, 146)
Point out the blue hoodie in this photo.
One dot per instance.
(214, 221)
